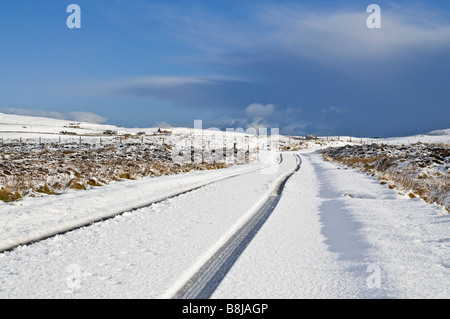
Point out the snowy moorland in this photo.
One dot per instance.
(36, 169)
(419, 170)
(318, 242)
(42, 156)
(139, 213)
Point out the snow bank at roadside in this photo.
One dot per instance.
(421, 170)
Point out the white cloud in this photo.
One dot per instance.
(333, 109)
(173, 88)
(318, 34)
(259, 110)
(344, 34)
(258, 115)
(163, 81)
(259, 122)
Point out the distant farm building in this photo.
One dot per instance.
(74, 125)
(163, 131)
(124, 133)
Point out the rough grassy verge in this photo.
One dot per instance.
(30, 170)
(420, 170)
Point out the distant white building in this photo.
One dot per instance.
(121, 133)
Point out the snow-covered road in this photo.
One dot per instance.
(337, 233)
(334, 233)
(140, 254)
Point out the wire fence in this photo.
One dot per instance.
(183, 142)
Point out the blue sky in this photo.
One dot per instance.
(302, 66)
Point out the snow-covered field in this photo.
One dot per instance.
(334, 232)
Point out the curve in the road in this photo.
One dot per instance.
(209, 276)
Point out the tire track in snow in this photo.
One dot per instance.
(205, 281)
(101, 219)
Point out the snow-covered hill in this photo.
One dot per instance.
(439, 133)
(13, 126)
(30, 129)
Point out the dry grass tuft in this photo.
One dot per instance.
(45, 189)
(8, 196)
(77, 185)
(93, 182)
